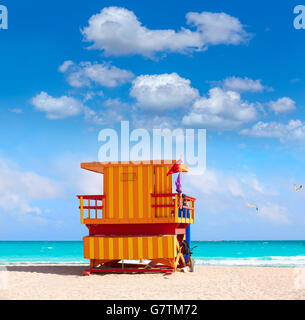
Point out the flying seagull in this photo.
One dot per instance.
(296, 188)
(253, 206)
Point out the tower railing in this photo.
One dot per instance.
(87, 210)
(182, 206)
(166, 207)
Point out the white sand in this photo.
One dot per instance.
(207, 282)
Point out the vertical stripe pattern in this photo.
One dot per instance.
(163, 184)
(128, 192)
(154, 247)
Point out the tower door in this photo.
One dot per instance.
(163, 184)
(128, 192)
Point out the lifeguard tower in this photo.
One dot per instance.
(137, 217)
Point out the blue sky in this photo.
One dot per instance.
(234, 68)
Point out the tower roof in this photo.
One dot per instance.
(99, 166)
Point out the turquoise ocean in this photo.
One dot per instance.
(222, 253)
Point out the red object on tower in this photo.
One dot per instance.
(178, 167)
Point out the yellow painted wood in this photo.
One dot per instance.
(170, 247)
(160, 247)
(81, 210)
(162, 190)
(110, 248)
(91, 247)
(176, 207)
(130, 194)
(121, 247)
(140, 191)
(140, 248)
(86, 247)
(150, 189)
(130, 248)
(101, 245)
(150, 248)
(96, 249)
(110, 193)
(121, 199)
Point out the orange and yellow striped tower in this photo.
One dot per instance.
(137, 217)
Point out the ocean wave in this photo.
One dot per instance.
(268, 261)
(288, 257)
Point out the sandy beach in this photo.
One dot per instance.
(207, 282)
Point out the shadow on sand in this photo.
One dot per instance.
(69, 270)
(51, 269)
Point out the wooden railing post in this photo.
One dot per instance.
(193, 210)
(176, 207)
(103, 209)
(89, 208)
(81, 210)
(153, 209)
(95, 209)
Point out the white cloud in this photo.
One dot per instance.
(224, 192)
(57, 108)
(117, 31)
(216, 182)
(114, 112)
(217, 28)
(88, 96)
(102, 74)
(163, 92)
(294, 130)
(62, 107)
(19, 188)
(89, 182)
(65, 66)
(222, 110)
(282, 105)
(92, 116)
(150, 122)
(117, 104)
(243, 84)
(79, 181)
